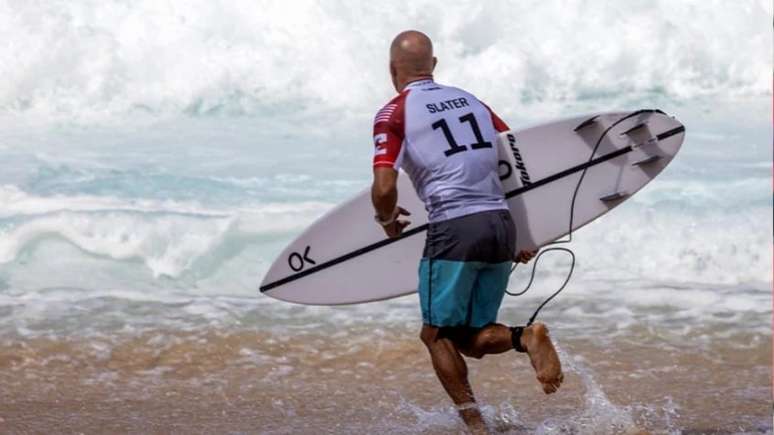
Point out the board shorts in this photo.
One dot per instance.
(465, 268)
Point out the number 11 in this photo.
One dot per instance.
(454, 148)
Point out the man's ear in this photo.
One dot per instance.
(435, 62)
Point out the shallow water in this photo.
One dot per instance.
(377, 380)
(142, 201)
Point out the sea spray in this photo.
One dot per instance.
(598, 415)
(93, 61)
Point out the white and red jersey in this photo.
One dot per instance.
(446, 140)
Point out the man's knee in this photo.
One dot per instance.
(463, 339)
(428, 334)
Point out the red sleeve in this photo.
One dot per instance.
(499, 124)
(389, 131)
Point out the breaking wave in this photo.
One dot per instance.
(88, 60)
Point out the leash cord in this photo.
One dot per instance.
(551, 246)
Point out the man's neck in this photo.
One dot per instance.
(412, 79)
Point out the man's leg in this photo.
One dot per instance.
(488, 293)
(497, 338)
(453, 374)
(489, 340)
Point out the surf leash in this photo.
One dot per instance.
(552, 246)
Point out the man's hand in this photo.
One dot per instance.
(525, 256)
(395, 228)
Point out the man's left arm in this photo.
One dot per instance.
(500, 126)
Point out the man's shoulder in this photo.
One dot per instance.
(499, 124)
(459, 90)
(393, 106)
(397, 99)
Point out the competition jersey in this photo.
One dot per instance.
(445, 139)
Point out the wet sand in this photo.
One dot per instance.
(372, 380)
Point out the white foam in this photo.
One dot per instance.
(16, 202)
(87, 60)
(710, 246)
(166, 244)
(167, 236)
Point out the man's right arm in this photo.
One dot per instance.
(384, 196)
(384, 192)
(388, 140)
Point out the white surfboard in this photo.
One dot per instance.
(345, 258)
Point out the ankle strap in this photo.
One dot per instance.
(516, 339)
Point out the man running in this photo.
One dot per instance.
(445, 139)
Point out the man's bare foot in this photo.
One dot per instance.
(543, 356)
(472, 418)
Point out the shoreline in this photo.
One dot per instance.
(350, 382)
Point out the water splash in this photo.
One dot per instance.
(598, 416)
(502, 418)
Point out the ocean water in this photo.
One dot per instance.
(157, 156)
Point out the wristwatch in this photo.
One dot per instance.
(388, 221)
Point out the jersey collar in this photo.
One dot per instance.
(417, 83)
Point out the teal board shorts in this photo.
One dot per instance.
(465, 268)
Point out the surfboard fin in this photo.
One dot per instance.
(614, 196)
(586, 123)
(635, 128)
(647, 159)
(651, 141)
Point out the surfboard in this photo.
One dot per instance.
(556, 177)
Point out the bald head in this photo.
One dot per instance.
(411, 58)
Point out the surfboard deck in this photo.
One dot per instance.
(345, 258)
